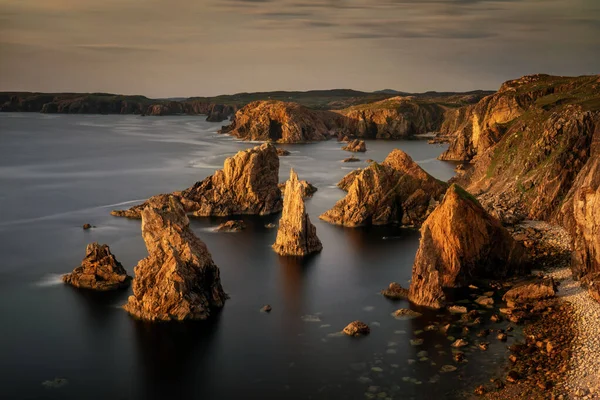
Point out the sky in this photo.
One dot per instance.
(177, 48)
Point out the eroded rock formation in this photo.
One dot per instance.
(356, 146)
(348, 179)
(296, 235)
(460, 242)
(281, 122)
(99, 270)
(178, 280)
(247, 184)
(308, 189)
(357, 328)
(395, 191)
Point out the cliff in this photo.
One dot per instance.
(296, 235)
(99, 270)
(281, 122)
(544, 162)
(178, 280)
(460, 242)
(247, 184)
(395, 191)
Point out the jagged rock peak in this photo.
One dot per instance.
(178, 280)
(460, 242)
(99, 270)
(395, 191)
(296, 235)
(247, 184)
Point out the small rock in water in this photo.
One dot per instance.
(484, 301)
(85, 227)
(416, 342)
(480, 390)
(231, 226)
(448, 368)
(495, 318)
(270, 226)
(502, 337)
(459, 356)
(405, 312)
(357, 328)
(55, 383)
(513, 377)
(483, 345)
(266, 308)
(377, 369)
(458, 309)
(395, 291)
(460, 343)
(422, 353)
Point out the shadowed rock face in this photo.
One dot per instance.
(296, 236)
(461, 242)
(395, 191)
(247, 184)
(178, 280)
(99, 270)
(281, 122)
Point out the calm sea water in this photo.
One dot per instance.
(58, 172)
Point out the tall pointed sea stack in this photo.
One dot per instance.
(296, 236)
(247, 184)
(178, 280)
(460, 242)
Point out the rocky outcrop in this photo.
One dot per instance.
(395, 191)
(231, 226)
(99, 270)
(460, 242)
(247, 184)
(281, 122)
(178, 280)
(356, 146)
(296, 235)
(393, 118)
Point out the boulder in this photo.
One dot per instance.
(395, 191)
(460, 242)
(357, 328)
(531, 291)
(178, 280)
(356, 145)
(296, 235)
(247, 184)
(99, 270)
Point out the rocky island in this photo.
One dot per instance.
(99, 271)
(247, 184)
(178, 280)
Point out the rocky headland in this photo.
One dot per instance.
(178, 280)
(247, 184)
(99, 270)
(296, 235)
(395, 191)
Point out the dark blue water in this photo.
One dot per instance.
(58, 172)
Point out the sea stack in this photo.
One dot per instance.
(99, 270)
(296, 236)
(460, 242)
(178, 280)
(247, 184)
(395, 191)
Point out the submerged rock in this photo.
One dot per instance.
(99, 270)
(395, 291)
(296, 235)
(356, 146)
(460, 241)
(247, 184)
(357, 328)
(178, 280)
(231, 226)
(395, 191)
